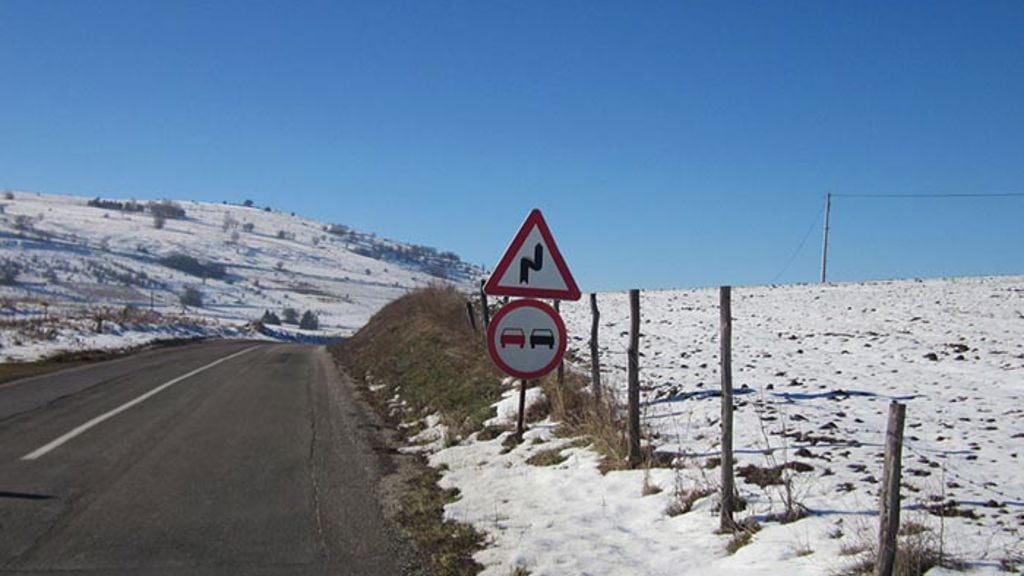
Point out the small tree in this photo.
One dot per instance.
(290, 316)
(229, 222)
(247, 203)
(23, 222)
(158, 221)
(9, 270)
(191, 297)
(248, 227)
(270, 319)
(309, 321)
(8, 195)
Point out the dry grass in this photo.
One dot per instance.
(550, 457)
(445, 546)
(916, 554)
(423, 347)
(1013, 562)
(738, 540)
(742, 534)
(685, 499)
(580, 414)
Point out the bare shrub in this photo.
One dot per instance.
(195, 267)
(24, 223)
(9, 271)
(166, 209)
(191, 296)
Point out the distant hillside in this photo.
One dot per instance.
(66, 255)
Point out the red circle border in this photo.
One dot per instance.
(562, 340)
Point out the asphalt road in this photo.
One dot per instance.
(218, 458)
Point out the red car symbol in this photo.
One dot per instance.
(512, 337)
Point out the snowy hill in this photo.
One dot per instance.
(815, 368)
(65, 260)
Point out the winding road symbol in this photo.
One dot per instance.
(526, 264)
(532, 266)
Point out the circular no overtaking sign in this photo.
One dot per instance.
(526, 339)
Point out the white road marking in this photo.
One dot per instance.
(108, 415)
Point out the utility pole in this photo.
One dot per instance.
(824, 242)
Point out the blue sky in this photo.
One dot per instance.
(669, 144)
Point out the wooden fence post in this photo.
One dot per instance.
(560, 375)
(726, 521)
(472, 314)
(595, 361)
(634, 378)
(483, 306)
(889, 514)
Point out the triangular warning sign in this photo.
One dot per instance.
(532, 266)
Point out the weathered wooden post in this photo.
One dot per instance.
(634, 378)
(483, 306)
(471, 314)
(560, 375)
(727, 522)
(595, 361)
(889, 514)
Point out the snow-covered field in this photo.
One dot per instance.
(815, 368)
(74, 261)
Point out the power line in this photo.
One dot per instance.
(824, 258)
(987, 195)
(798, 248)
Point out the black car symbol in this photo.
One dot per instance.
(542, 337)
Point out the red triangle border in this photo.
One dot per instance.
(494, 289)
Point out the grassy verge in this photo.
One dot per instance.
(420, 356)
(423, 349)
(446, 546)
